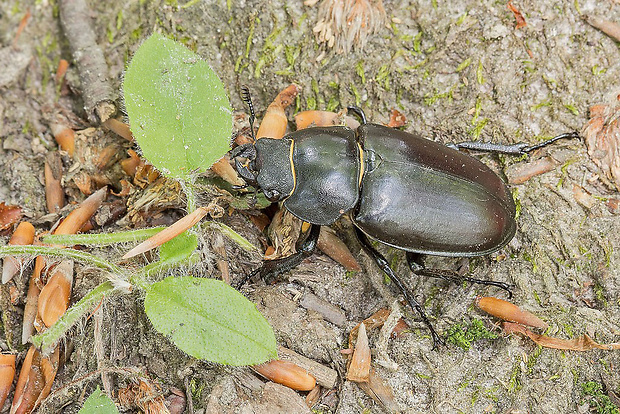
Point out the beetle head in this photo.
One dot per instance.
(261, 170)
(274, 167)
(267, 166)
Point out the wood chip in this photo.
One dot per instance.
(325, 376)
(331, 313)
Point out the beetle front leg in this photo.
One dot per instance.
(272, 268)
(415, 264)
(385, 266)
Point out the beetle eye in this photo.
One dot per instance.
(272, 195)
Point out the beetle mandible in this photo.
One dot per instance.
(400, 189)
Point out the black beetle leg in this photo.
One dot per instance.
(416, 266)
(384, 265)
(359, 112)
(272, 268)
(520, 148)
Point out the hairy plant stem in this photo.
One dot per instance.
(47, 340)
(102, 239)
(78, 255)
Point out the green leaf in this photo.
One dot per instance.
(178, 109)
(178, 248)
(210, 320)
(98, 403)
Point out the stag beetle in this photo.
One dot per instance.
(400, 189)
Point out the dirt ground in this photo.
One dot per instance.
(457, 71)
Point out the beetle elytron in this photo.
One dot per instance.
(400, 189)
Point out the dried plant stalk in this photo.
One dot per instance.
(581, 343)
(169, 233)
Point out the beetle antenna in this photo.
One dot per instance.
(247, 98)
(359, 112)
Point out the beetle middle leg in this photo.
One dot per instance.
(415, 264)
(272, 268)
(385, 266)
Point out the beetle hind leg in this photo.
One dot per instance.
(359, 112)
(385, 266)
(416, 266)
(270, 269)
(520, 148)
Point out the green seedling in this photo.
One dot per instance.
(180, 116)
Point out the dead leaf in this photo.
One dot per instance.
(380, 391)
(330, 244)
(145, 395)
(286, 373)
(7, 374)
(582, 343)
(9, 215)
(602, 137)
(54, 297)
(518, 16)
(23, 235)
(608, 27)
(359, 364)
(76, 219)
(397, 119)
(35, 381)
(509, 312)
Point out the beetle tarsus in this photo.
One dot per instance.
(385, 266)
(414, 261)
(246, 278)
(270, 269)
(359, 112)
(520, 148)
(567, 135)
